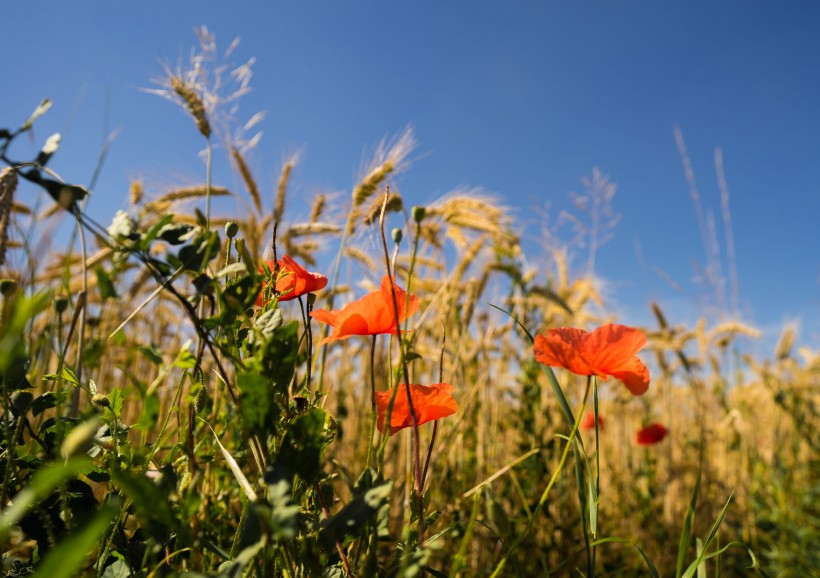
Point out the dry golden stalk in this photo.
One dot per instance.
(247, 177)
(8, 184)
(731, 329)
(302, 229)
(193, 104)
(20, 208)
(135, 191)
(192, 220)
(317, 208)
(191, 193)
(785, 344)
(362, 257)
(467, 259)
(281, 190)
(394, 205)
(365, 189)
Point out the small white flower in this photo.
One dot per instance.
(123, 226)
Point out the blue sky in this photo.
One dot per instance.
(520, 98)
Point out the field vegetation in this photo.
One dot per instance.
(192, 393)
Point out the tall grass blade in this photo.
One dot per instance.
(687, 527)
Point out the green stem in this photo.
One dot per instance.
(373, 401)
(545, 494)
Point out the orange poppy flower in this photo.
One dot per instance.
(589, 421)
(370, 315)
(293, 280)
(608, 351)
(651, 434)
(429, 404)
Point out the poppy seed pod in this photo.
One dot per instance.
(397, 235)
(231, 229)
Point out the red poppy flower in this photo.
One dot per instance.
(651, 434)
(293, 280)
(370, 315)
(589, 421)
(429, 404)
(608, 351)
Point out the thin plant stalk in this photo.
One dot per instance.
(545, 494)
(372, 400)
(403, 361)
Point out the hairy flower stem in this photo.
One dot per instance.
(372, 400)
(308, 339)
(410, 271)
(326, 513)
(571, 440)
(435, 423)
(597, 461)
(417, 478)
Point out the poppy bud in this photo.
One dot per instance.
(60, 304)
(231, 229)
(397, 235)
(8, 287)
(418, 213)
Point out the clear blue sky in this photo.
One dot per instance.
(521, 98)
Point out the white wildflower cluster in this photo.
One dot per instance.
(122, 226)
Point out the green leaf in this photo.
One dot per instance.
(116, 401)
(351, 518)
(151, 234)
(151, 353)
(65, 559)
(150, 500)
(118, 569)
(301, 451)
(150, 412)
(105, 285)
(237, 471)
(281, 353)
(44, 481)
(46, 401)
(715, 527)
(256, 402)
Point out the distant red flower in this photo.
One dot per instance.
(293, 280)
(651, 434)
(608, 351)
(429, 404)
(589, 421)
(370, 315)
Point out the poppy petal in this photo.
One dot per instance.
(611, 345)
(430, 403)
(561, 348)
(651, 434)
(634, 374)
